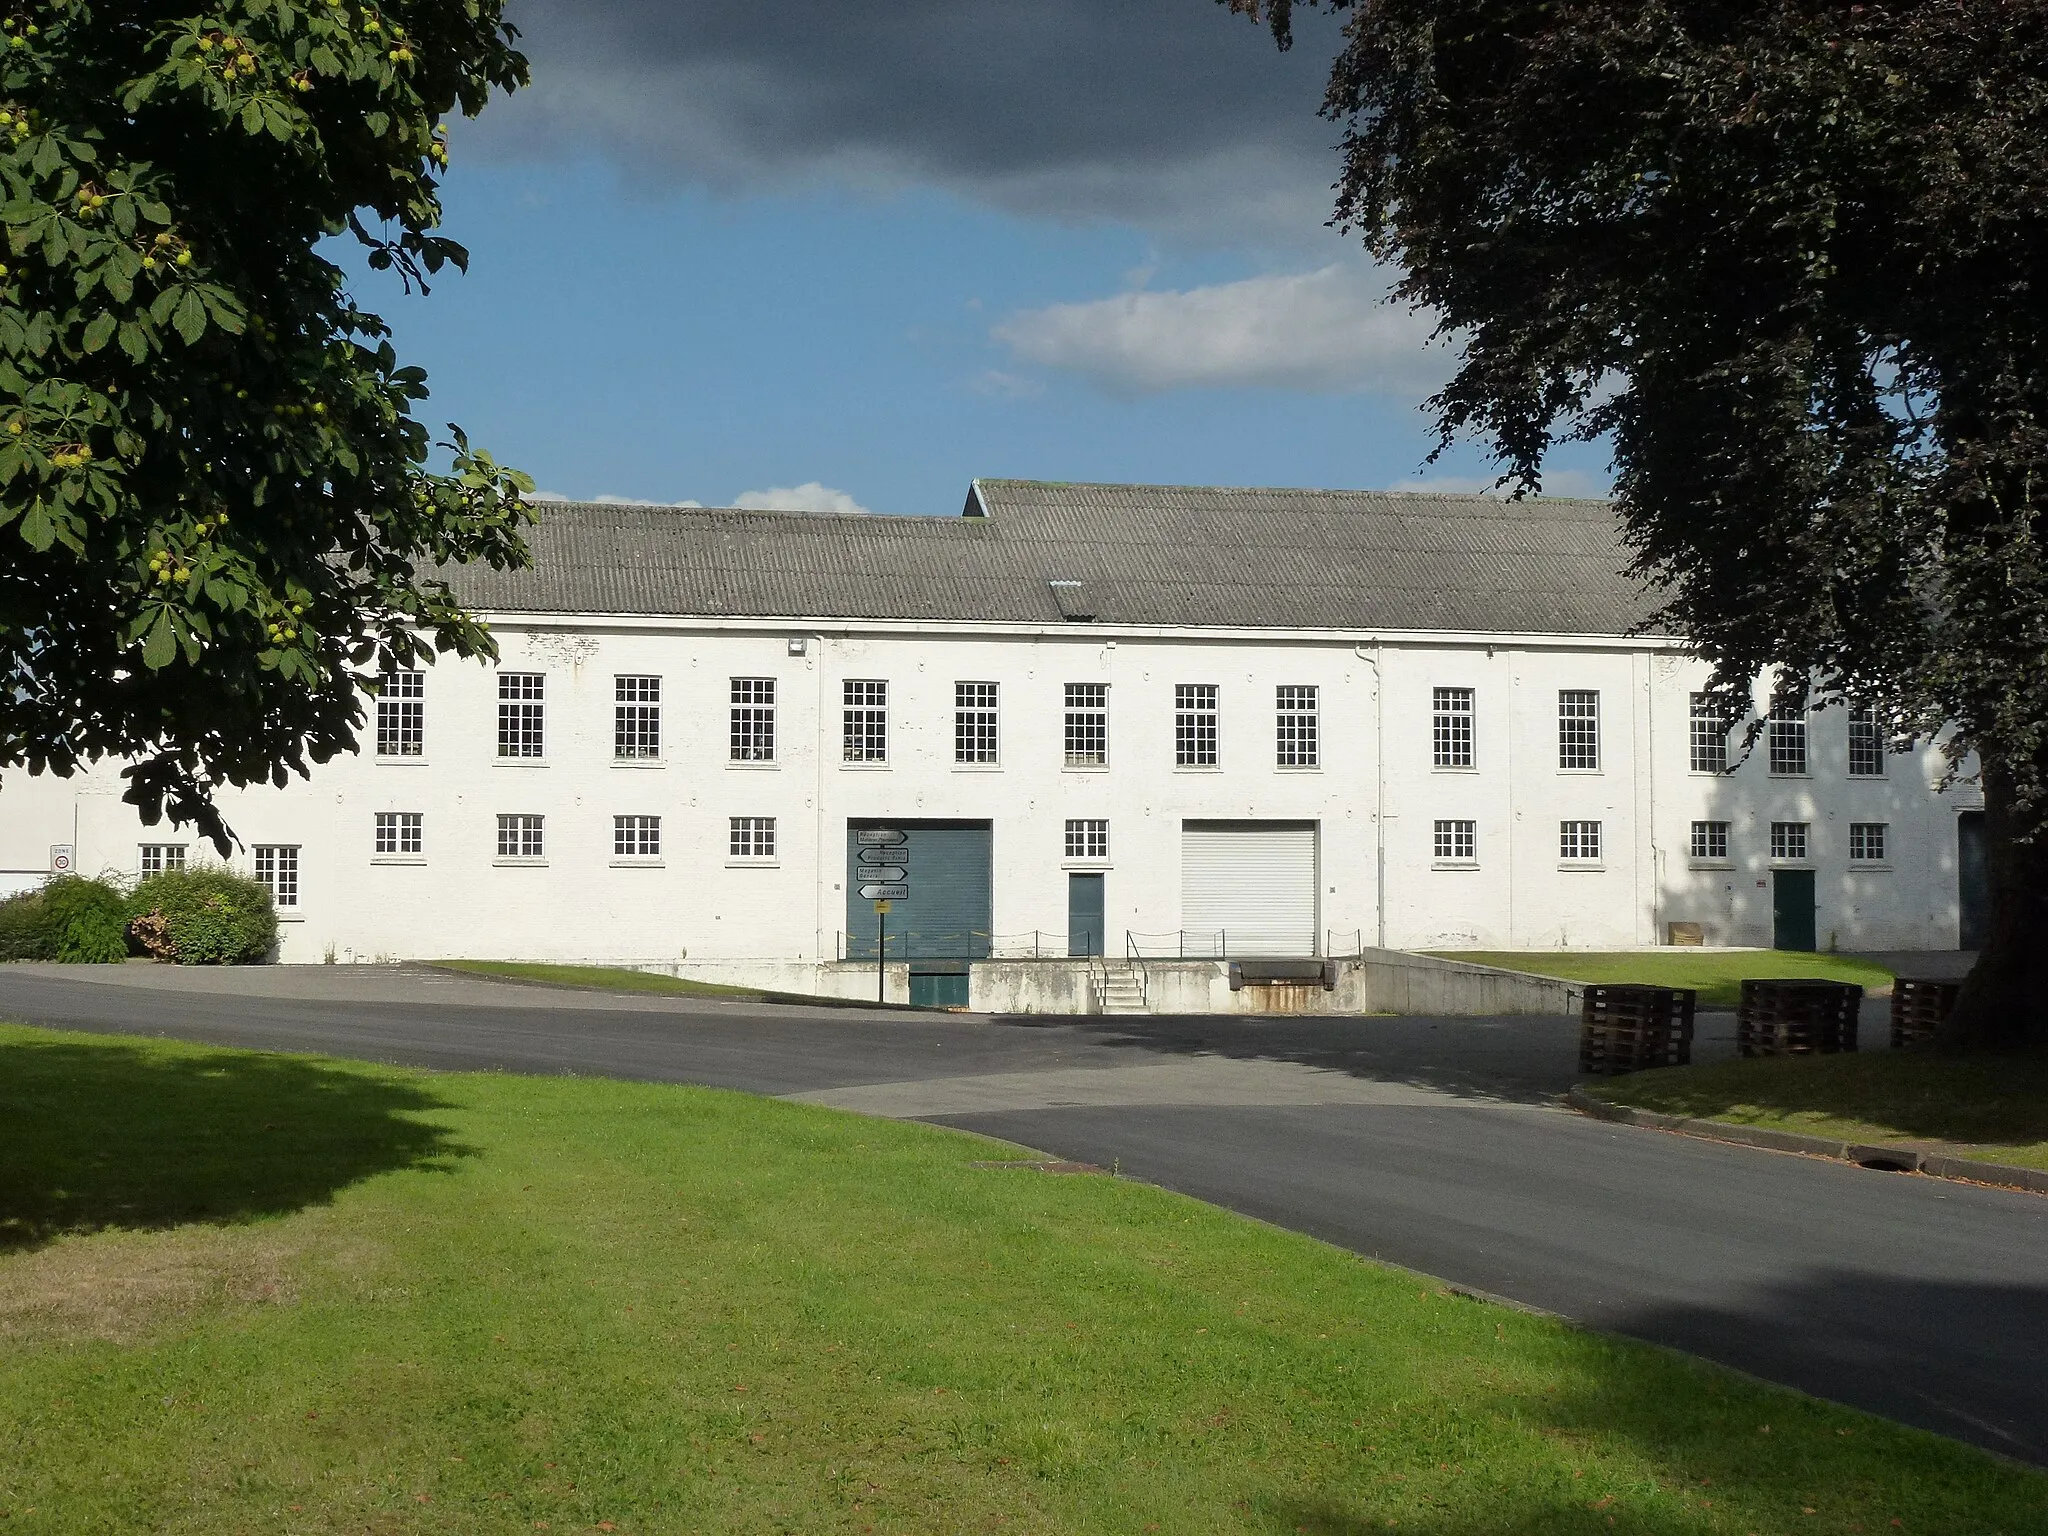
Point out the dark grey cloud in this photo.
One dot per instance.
(1170, 114)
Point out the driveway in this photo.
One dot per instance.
(1434, 1144)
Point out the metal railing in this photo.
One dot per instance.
(1344, 946)
(1177, 944)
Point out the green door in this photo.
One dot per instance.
(1084, 914)
(1792, 925)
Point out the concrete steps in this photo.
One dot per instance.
(1118, 988)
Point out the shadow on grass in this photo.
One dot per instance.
(1999, 1100)
(100, 1136)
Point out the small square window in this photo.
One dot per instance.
(636, 837)
(1710, 841)
(1087, 839)
(1578, 841)
(753, 837)
(158, 857)
(1867, 842)
(399, 832)
(1456, 842)
(522, 837)
(1789, 840)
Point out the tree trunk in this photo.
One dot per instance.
(2004, 1003)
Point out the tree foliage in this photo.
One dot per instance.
(1786, 256)
(217, 512)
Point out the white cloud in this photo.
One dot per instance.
(607, 499)
(1331, 331)
(808, 497)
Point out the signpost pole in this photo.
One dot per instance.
(881, 952)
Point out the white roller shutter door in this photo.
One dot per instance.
(1249, 885)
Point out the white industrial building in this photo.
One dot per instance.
(1141, 721)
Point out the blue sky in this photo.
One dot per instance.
(721, 256)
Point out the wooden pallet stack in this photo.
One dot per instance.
(1629, 1028)
(1920, 1006)
(1797, 1017)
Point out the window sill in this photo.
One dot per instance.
(1792, 864)
(1775, 773)
(1297, 767)
(1451, 864)
(293, 915)
(1084, 768)
(753, 863)
(871, 766)
(401, 761)
(505, 862)
(1197, 767)
(1449, 768)
(520, 762)
(1710, 773)
(1868, 778)
(1869, 867)
(769, 765)
(977, 767)
(1582, 773)
(639, 762)
(1582, 866)
(1091, 866)
(398, 858)
(654, 862)
(1715, 864)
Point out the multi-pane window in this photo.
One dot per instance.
(1457, 841)
(1087, 838)
(521, 711)
(865, 722)
(401, 714)
(1712, 719)
(1789, 839)
(277, 870)
(1787, 734)
(974, 722)
(1194, 725)
(399, 832)
(1866, 746)
(1578, 840)
(1297, 726)
(522, 837)
(158, 857)
(1866, 842)
(1710, 840)
(1578, 728)
(636, 716)
(753, 837)
(753, 719)
(636, 837)
(1450, 728)
(1087, 725)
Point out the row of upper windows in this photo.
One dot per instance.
(1457, 842)
(751, 736)
(1297, 735)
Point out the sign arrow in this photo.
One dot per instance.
(880, 837)
(884, 872)
(894, 892)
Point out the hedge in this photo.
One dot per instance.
(204, 915)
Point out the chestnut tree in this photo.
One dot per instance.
(1790, 258)
(219, 517)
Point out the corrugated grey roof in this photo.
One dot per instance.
(1145, 554)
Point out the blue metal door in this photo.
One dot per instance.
(947, 867)
(1084, 914)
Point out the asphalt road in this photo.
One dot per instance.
(1434, 1144)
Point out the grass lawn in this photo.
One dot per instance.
(1989, 1107)
(244, 1292)
(618, 979)
(1715, 973)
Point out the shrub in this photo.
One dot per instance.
(85, 921)
(24, 927)
(205, 915)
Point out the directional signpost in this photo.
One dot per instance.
(883, 863)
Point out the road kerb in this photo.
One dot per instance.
(1867, 1154)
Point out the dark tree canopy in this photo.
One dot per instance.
(217, 516)
(1787, 257)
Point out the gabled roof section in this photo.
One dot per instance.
(1144, 555)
